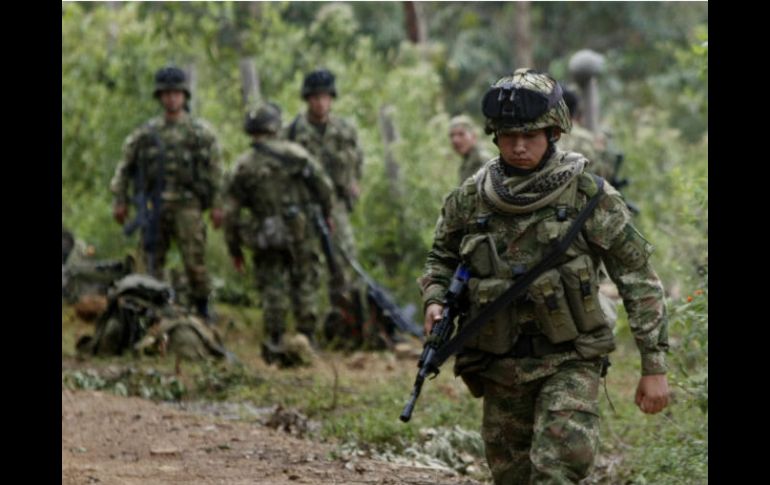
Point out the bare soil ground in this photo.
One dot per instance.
(108, 439)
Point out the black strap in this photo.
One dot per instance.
(520, 285)
(293, 128)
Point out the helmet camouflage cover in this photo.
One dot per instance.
(319, 81)
(525, 101)
(264, 118)
(170, 78)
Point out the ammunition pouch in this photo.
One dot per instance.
(551, 307)
(581, 286)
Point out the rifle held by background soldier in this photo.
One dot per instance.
(379, 295)
(148, 207)
(619, 183)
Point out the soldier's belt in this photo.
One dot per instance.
(537, 346)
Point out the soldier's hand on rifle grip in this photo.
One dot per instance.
(238, 263)
(217, 217)
(432, 315)
(119, 212)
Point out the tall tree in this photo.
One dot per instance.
(250, 89)
(416, 27)
(523, 35)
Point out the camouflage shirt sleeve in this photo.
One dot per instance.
(125, 169)
(626, 255)
(232, 208)
(351, 170)
(320, 182)
(444, 255)
(210, 156)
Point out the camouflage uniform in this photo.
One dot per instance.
(472, 161)
(476, 156)
(335, 145)
(191, 174)
(142, 318)
(281, 186)
(581, 140)
(537, 363)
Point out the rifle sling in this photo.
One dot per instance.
(520, 285)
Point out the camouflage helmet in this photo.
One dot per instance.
(527, 100)
(319, 81)
(264, 118)
(170, 78)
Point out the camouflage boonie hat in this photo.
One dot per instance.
(170, 78)
(264, 118)
(528, 100)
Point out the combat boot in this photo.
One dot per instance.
(202, 307)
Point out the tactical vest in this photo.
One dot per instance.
(563, 303)
(333, 148)
(175, 158)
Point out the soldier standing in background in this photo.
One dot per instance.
(282, 189)
(172, 161)
(464, 137)
(333, 141)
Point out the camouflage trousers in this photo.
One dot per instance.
(284, 279)
(343, 238)
(183, 223)
(346, 290)
(544, 431)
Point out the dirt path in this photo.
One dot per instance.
(108, 439)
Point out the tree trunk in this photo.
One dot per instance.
(416, 27)
(391, 256)
(255, 9)
(523, 35)
(389, 136)
(189, 69)
(114, 30)
(590, 91)
(250, 90)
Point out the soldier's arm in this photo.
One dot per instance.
(626, 255)
(125, 169)
(322, 184)
(212, 170)
(346, 176)
(231, 208)
(357, 156)
(444, 255)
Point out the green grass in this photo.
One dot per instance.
(358, 397)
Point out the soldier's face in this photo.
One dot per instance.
(462, 140)
(172, 101)
(319, 105)
(523, 150)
